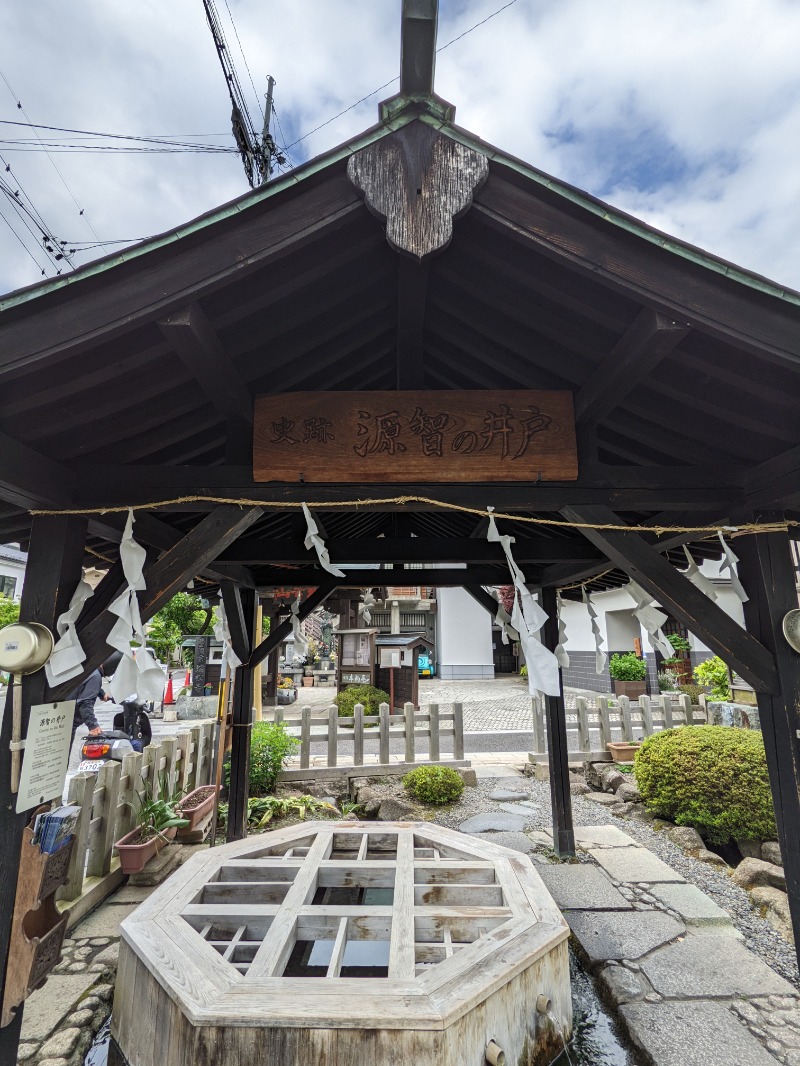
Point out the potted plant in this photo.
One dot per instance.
(157, 821)
(195, 806)
(628, 672)
(679, 663)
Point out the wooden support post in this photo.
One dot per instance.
(258, 704)
(333, 735)
(647, 716)
(358, 735)
(383, 729)
(561, 798)
(53, 572)
(305, 738)
(433, 744)
(604, 721)
(408, 715)
(767, 572)
(242, 726)
(458, 731)
(539, 740)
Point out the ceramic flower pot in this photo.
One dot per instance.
(622, 750)
(195, 806)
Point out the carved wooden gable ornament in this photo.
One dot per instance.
(418, 180)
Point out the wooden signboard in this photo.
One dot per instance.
(364, 437)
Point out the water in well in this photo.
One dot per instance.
(594, 1035)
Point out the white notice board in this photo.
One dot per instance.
(46, 754)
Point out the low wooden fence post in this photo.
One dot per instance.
(333, 735)
(666, 706)
(537, 711)
(305, 738)
(647, 715)
(582, 709)
(603, 714)
(433, 739)
(383, 729)
(408, 715)
(101, 842)
(358, 734)
(81, 794)
(458, 731)
(627, 723)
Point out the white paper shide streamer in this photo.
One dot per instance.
(561, 650)
(600, 657)
(527, 618)
(698, 579)
(314, 540)
(503, 619)
(299, 637)
(729, 564)
(651, 619)
(368, 601)
(138, 672)
(66, 660)
(222, 633)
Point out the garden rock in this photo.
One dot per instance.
(637, 811)
(750, 849)
(710, 857)
(755, 872)
(771, 852)
(776, 906)
(494, 822)
(622, 985)
(591, 772)
(605, 799)
(629, 792)
(468, 776)
(578, 788)
(611, 778)
(61, 1045)
(396, 810)
(372, 808)
(687, 838)
(505, 795)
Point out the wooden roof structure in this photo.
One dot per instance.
(415, 256)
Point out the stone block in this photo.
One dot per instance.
(686, 837)
(692, 1034)
(506, 795)
(605, 799)
(617, 935)
(750, 849)
(776, 907)
(61, 1044)
(497, 821)
(602, 836)
(105, 920)
(710, 857)
(468, 776)
(621, 985)
(755, 872)
(694, 906)
(516, 841)
(611, 778)
(582, 887)
(629, 792)
(530, 811)
(578, 788)
(191, 708)
(591, 771)
(634, 864)
(396, 810)
(129, 894)
(771, 852)
(711, 966)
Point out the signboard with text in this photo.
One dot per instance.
(363, 437)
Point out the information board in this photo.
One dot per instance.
(46, 754)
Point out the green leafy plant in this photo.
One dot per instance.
(9, 611)
(627, 667)
(679, 643)
(183, 614)
(693, 691)
(433, 784)
(713, 673)
(155, 812)
(261, 810)
(523, 670)
(713, 778)
(668, 681)
(368, 695)
(270, 746)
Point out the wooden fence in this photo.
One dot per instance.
(107, 809)
(614, 718)
(374, 732)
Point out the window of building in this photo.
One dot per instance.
(8, 586)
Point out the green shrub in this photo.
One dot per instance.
(368, 695)
(627, 667)
(523, 670)
(713, 674)
(433, 784)
(270, 745)
(694, 691)
(713, 778)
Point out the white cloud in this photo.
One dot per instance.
(683, 112)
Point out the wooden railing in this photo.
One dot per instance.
(614, 718)
(108, 807)
(371, 736)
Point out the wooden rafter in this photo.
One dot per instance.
(28, 479)
(412, 287)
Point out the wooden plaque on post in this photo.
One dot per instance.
(374, 437)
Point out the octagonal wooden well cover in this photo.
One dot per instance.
(356, 924)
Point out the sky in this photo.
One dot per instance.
(685, 113)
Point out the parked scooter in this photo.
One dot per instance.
(131, 732)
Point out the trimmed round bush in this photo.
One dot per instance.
(712, 778)
(370, 697)
(433, 784)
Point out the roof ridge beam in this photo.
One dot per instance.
(418, 47)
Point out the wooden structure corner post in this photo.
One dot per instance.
(242, 717)
(767, 572)
(556, 722)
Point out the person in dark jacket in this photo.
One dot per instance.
(88, 692)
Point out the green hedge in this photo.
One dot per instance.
(713, 778)
(627, 667)
(368, 695)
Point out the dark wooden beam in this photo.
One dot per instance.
(649, 338)
(279, 633)
(680, 597)
(672, 284)
(242, 605)
(30, 480)
(766, 569)
(644, 488)
(412, 288)
(239, 626)
(557, 746)
(166, 577)
(481, 596)
(418, 47)
(306, 577)
(195, 341)
(52, 574)
(776, 483)
(261, 550)
(153, 533)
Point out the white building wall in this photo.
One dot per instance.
(13, 568)
(464, 634)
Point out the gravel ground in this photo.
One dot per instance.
(759, 935)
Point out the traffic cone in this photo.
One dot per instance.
(168, 697)
(188, 682)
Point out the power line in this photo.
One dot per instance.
(244, 57)
(24, 245)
